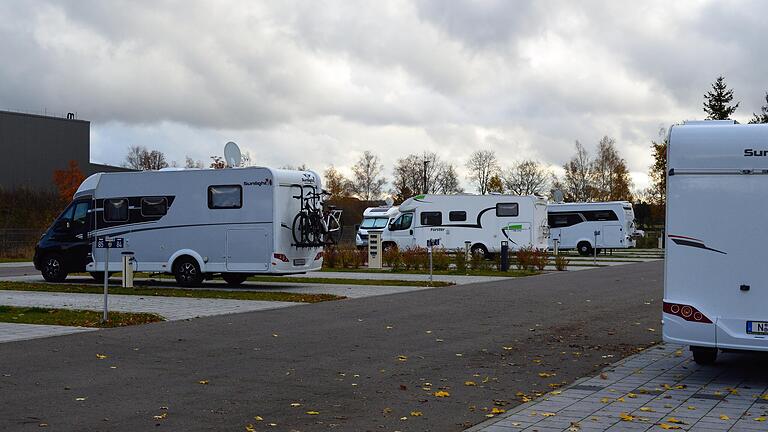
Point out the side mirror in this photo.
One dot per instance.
(357, 227)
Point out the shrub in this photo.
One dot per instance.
(540, 259)
(330, 257)
(393, 258)
(460, 260)
(440, 259)
(524, 258)
(561, 263)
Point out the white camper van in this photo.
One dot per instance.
(483, 220)
(573, 225)
(191, 223)
(715, 276)
(374, 218)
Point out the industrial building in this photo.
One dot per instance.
(33, 146)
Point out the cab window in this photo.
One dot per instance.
(80, 215)
(403, 222)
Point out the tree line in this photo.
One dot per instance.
(602, 177)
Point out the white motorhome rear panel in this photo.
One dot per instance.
(715, 272)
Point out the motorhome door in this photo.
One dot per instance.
(401, 230)
(613, 235)
(248, 249)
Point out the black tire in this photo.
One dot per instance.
(301, 228)
(584, 248)
(187, 272)
(53, 269)
(234, 279)
(99, 276)
(480, 248)
(704, 356)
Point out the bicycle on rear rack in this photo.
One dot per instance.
(315, 225)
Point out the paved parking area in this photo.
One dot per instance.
(661, 388)
(10, 332)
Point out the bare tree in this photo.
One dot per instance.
(367, 181)
(610, 176)
(576, 183)
(336, 184)
(140, 158)
(191, 163)
(425, 173)
(482, 166)
(302, 167)
(526, 178)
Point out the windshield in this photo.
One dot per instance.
(372, 223)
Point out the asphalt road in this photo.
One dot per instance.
(20, 270)
(339, 359)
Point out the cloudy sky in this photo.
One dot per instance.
(320, 82)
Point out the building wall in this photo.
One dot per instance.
(33, 146)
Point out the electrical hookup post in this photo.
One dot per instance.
(107, 243)
(431, 243)
(594, 249)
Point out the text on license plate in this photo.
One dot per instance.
(757, 327)
(302, 261)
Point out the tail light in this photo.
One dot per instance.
(281, 257)
(319, 255)
(686, 312)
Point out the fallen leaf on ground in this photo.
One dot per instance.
(760, 419)
(496, 410)
(403, 418)
(605, 400)
(626, 417)
(80, 399)
(402, 358)
(470, 383)
(101, 356)
(313, 412)
(556, 392)
(258, 418)
(603, 375)
(724, 417)
(507, 348)
(441, 393)
(250, 428)
(647, 409)
(416, 413)
(547, 374)
(203, 382)
(668, 426)
(161, 416)
(548, 414)
(295, 404)
(631, 395)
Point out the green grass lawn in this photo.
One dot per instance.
(12, 260)
(73, 318)
(171, 292)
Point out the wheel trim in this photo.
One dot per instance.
(187, 271)
(52, 266)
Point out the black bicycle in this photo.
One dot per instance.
(316, 224)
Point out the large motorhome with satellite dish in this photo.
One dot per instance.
(192, 223)
(573, 226)
(374, 218)
(482, 220)
(715, 279)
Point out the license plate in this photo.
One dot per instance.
(757, 327)
(302, 261)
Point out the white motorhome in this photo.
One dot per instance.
(573, 226)
(374, 218)
(483, 220)
(715, 276)
(191, 223)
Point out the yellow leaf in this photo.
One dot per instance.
(490, 415)
(548, 414)
(556, 392)
(668, 426)
(441, 393)
(274, 334)
(101, 356)
(605, 400)
(496, 410)
(203, 382)
(760, 419)
(691, 407)
(402, 358)
(250, 428)
(415, 413)
(507, 348)
(387, 410)
(621, 399)
(631, 395)
(258, 418)
(676, 421)
(295, 404)
(678, 353)
(161, 416)
(547, 374)
(764, 397)
(646, 409)
(724, 417)
(470, 383)
(80, 399)
(313, 412)
(626, 417)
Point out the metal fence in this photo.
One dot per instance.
(12, 239)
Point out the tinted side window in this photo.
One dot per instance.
(561, 220)
(225, 197)
(600, 215)
(116, 210)
(431, 218)
(80, 216)
(507, 209)
(457, 216)
(154, 206)
(402, 222)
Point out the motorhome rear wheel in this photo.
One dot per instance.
(704, 356)
(187, 272)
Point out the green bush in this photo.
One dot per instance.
(561, 263)
(460, 260)
(440, 259)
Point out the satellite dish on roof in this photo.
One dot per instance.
(232, 155)
(557, 195)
